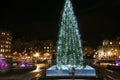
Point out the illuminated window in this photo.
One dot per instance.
(7, 42)
(3, 33)
(110, 42)
(119, 43)
(2, 45)
(103, 43)
(44, 47)
(9, 50)
(47, 50)
(47, 47)
(115, 49)
(1, 55)
(85, 48)
(2, 50)
(7, 34)
(111, 48)
(9, 46)
(8, 38)
(6, 50)
(6, 46)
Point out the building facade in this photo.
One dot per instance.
(110, 49)
(48, 46)
(5, 42)
(88, 52)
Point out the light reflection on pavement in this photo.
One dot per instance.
(26, 76)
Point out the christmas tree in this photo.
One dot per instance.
(69, 47)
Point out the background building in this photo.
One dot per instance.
(110, 50)
(5, 42)
(40, 50)
(88, 52)
(48, 46)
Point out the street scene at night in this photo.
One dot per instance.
(60, 40)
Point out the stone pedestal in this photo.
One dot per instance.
(87, 71)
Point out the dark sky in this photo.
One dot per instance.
(39, 19)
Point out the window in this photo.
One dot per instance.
(8, 39)
(85, 49)
(2, 50)
(9, 50)
(115, 49)
(44, 47)
(119, 43)
(110, 42)
(47, 50)
(2, 46)
(6, 50)
(103, 43)
(6, 46)
(3, 33)
(7, 34)
(7, 42)
(47, 47)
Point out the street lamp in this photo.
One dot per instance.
(36, 54)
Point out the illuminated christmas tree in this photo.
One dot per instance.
(69, 47)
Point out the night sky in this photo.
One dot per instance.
(39, 19)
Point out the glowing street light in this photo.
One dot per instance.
(36, 54)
